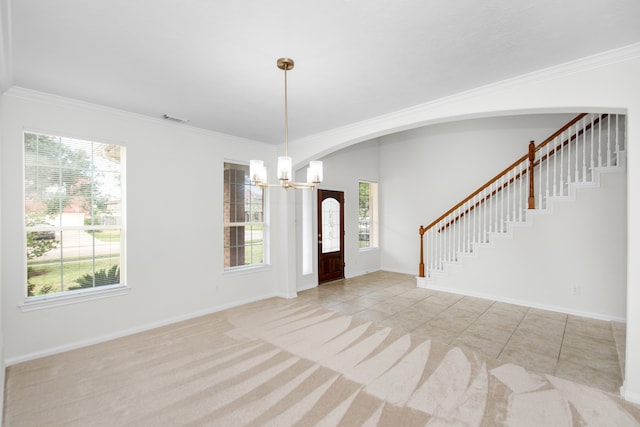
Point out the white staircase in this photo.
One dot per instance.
(493, 246)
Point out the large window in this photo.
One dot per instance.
(244, 223)
(74, 210)
(368, 215)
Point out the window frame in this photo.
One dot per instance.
(226, 222)
(373, 213)
(35, 302)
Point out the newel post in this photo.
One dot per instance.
(422, 230)
(532, 160)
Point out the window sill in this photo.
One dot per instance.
(236, 271)
(48, 301)
(364, 250)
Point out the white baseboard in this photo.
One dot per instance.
(108, 337)
(424, 284)
(633, 397)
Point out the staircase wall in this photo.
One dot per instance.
(570, 258)
(423, 172)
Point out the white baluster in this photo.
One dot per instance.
(478, 213)
(600, 140)
(515, 193)
(508, 191)
(464, 226)
(484, 216)
(478, 207)
(471, 229)
(592, 156)
(555, 166)
(562, 162)
(436, 247)
(617, 140)
(454, 236)
(577, 139)
(468, 227)
(494, 207)
(502, 190)
(539, 202)
(584, 152)
(548, 163)
(520, 193)
(608, 139)
(427, 251)
(455, 230)
(445, 241)
(569, 155)
(440, 243)
(451, 236)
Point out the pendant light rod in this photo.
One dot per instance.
(284, 171)
(286, 64)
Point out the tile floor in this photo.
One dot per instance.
(571, 347)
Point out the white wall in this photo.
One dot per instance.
(174, 226)
(582, 243)
(343, 171)
(606, 82)
(426, 171)
(2, 368)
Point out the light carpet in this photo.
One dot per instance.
(283, 363)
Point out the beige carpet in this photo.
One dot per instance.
(283, 362)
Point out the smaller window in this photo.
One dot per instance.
(244, 224)
(368, 215)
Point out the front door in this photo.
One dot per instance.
(330, 235)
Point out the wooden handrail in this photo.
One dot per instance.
(504, 172)
(517, 176)
(531, 156)
(478, 191)
(568, 140)
(483, 200)
(560, 131)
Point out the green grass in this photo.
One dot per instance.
(48, 275)
(258, 256)
(107, 235)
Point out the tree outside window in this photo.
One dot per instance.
(244, 223)
(368, 214)
(73, 213)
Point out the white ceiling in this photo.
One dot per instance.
(213, 62)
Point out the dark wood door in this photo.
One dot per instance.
(330, 235)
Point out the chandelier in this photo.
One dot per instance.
(284, 172)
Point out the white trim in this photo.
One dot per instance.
(416, 116)
(241, 270)
(97, 340)
(41, 302)
(6, 45)
(286, 295)
(423, 283)
(307, 287)
(628, 395)
(37, 96)
(368, 249)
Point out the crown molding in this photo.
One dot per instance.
(413, 117)
(6, 78)
(61, 101)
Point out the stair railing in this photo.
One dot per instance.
(567, 156)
